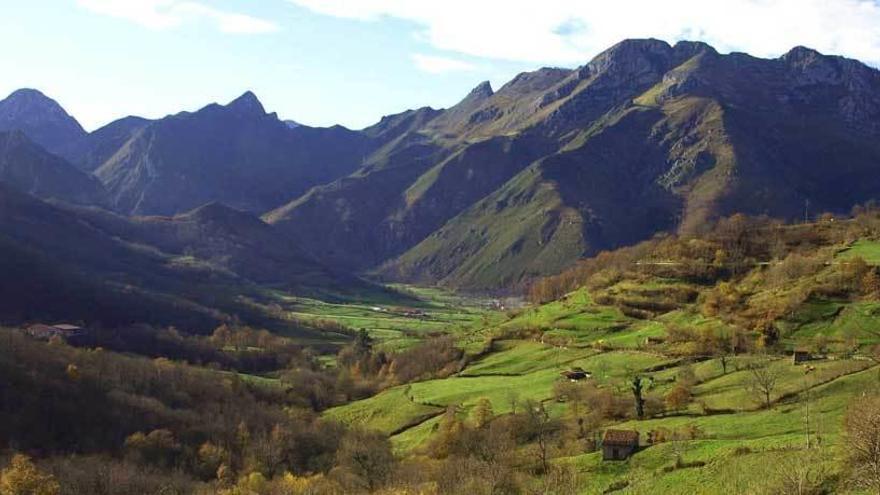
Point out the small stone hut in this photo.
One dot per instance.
(618, 445)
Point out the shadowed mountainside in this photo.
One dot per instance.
(557, 164)
(520, 182)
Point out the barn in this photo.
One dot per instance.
(618, 445)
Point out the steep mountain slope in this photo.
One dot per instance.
(29, 168)
(521, 181)
(237, 154)
(428, 170)
(92, 150)
(647, 137)
(41, 118)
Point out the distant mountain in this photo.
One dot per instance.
(232, 240)
(558, 163)
(41, 118)
(31, 169)
(236, 154)
(56, 267)
(194, 271)
(521, 181)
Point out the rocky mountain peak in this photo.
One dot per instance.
(801, 55)
(483, 90)
(247, 103)
(31, 104)
(635, 57)
(41, 118)
(687, 49)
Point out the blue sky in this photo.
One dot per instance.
(323, 62)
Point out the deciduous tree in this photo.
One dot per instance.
(22, 477)
(862, 434)
(762, 380)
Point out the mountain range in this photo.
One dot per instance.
(506, 185)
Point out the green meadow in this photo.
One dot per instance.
(740, 446)
(401, 322)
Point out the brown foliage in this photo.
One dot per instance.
(862, 434)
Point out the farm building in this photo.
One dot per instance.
(618, 445)
(46, 332)
(800, 355)
(576, 374)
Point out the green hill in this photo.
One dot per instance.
(705, 313)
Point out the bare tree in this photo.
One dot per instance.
(862, 434)
(368, 457)
(802, 474)
(512, 400)
(542, 427)
(762, 380)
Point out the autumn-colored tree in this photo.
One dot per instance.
(250, 484)
(449, 431)
(159, 447)
(678, 398)
(366, 458)
(723, 300)
(852, 273)
(871, 283)
(225, 476)
(211, 458)
(73, 372)
(482, 413)
(22, 477)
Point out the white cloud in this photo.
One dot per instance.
(572, 31)
(440, 65)
(167, 14)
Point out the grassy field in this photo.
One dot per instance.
(742, 438)
(740, 447)
(863, 248)
(738, 437)
(524, 371)
(838, 323)
(389, 412)
(734, 446)
(402, 323)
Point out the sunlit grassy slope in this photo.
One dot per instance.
(739, 438)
